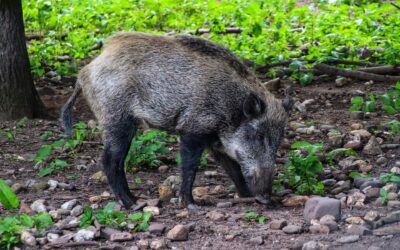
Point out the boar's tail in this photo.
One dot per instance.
(66, 111)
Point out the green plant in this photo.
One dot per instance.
(203, 159)
(11, 226)
(56, 166)
(390, 178)
(384, 195)
(8, 133)
(356, 175)
(7, 196)
(301, 170)
(253, 217)
(394, 126)
(141, 221)
(391, 100)
(145, 148)
(331, 155)
(358, 103)
(108, 216)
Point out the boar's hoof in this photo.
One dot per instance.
(193, 207)
(262, 200)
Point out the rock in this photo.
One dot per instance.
(157, 228)
(372, 147)
(218, 189)
(393, 204)
(395, 170)
(153, 202)
(76, 211)
(316, 207)
(343, 81)
(69, 204)
(183, 214)
(327, 218)
(165, 192)
(356, 126)
(356, 199)
(17, 188)
(361, 133)
(348, 239)
(226, 204)
(158, 244)
(256, 240)
(315, 229)
(292, 229)
(371, 216)
(314, 245)
(106, 194)
(278, 224)
(95, 199)
(392, 229)
(210, 174)
(382, 161)
(55, 215)
(358, 230)
(38, 206)
(52, 237)
(28, 239)
(372, 193)
(174, 182)
(163, 169)
(41, 240)
(154, 210)
(84, 235)
(308, 131)
(99, 177)
(143, 244)
(178, 233)
(390, 187)
(355, 220)
(115, 235)
(356, 115)
(40, 186)
(52, 183)
(215, 215)
(294, 201)
(353, 144)
(392, 196)
(200, 191)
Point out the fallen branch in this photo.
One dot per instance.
(381, 70)
(334, 71)
(228, 30)
(72, 244)
(395, 5)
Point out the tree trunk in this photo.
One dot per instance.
(18, 96)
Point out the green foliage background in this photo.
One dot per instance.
(273, 30)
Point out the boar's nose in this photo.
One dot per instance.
(262, 182)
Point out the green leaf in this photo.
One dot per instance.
(87, 218)
(7, 196)
(42, 221)
(250, 214)
(43, 153)
(261, 220)
(45, 171)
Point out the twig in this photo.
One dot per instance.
(72, 244)
(228, 30)
(334, 71)
(395, 5)
(381, 70)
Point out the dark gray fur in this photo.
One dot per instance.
(191, 87)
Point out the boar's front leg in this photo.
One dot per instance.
(232, 168)
(118, 134)
(191, 149)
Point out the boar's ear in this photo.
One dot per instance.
(288, 102)
(253, 106)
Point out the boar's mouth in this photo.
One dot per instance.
(261, 184)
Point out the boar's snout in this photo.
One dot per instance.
(261, 182)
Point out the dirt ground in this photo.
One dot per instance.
(330, 107)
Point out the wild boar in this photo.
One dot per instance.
(188, 86)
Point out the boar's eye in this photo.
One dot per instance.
(260, 136)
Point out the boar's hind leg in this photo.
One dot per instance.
(117, 138)
(233, 170)
(191, 149)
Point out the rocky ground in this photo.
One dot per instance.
(350, 216)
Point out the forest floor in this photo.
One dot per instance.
(226, 227)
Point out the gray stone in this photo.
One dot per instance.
(391, 229)
(174, 182)
(40, 186)
(316, 207)
(163, 169)
(157, 228)
(381, 161)
(226, 204)
(371, 193)
(278, 224)
(52, 183)
(143, 244)
(158, 244)
(393, 204)
(256, 240)
(38, 206)
(372, 147)
(28, 239)
(52, 237)
(84, 235)
(292, 229)
(178, 233)
(215, 216)
(349, 239)
(371, 216)
(69, 204)
(314, 245)
(76, 211)
(358, 230)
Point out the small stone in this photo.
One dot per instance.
(331, 225)
(178, 233)
(327, 218)
(315, 229)
(163, 169)
(174, 182)
(165, 192)
(218, 189)
(343, 81)
(390, 187)
(358, 230)
(210, 174)
(256, 240)
(382, 161)
(314, 245)
(99, 177)
(105, 194)
(158, 244)
(395, 170)
(40, 186)
(41, 240)
(95, 199)
(84, 235)
(362, 133)
(69, 204)
(76, 211)
(157, 228)
(356, 115)
(230, 237)
(17, 188)
(215, 215)
(316, 207)
(372, 193)
(226, 204)
(38, 206)
(372, 147)
(200, 191)
(154, 210)
(308, 131)
(143, 244)
(153, 202)
(391, 229)
(356, 126)
(278, 224)
(353, 144)
(52, 183)
(371, 216)
(356, 199)
(355, 220)
(292, 229)
(52, 237)
(183, 214)
(392, 196)
(393, 204)
(55, 215)
(348, 239)
(294, 201)
(28, 239)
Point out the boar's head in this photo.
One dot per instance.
(254, 143)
